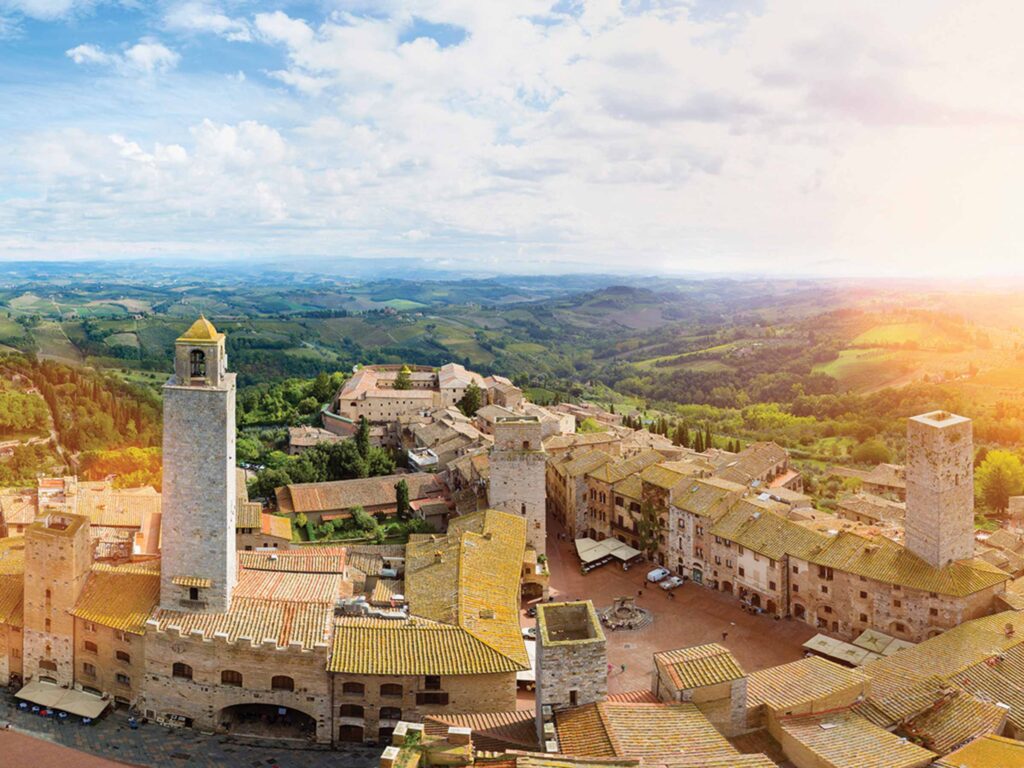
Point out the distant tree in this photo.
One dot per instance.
(980, 456)
(611, 408)
(402, 507)
(266, 481)
(698, 442)
(1000, 476)
(590, 424)
(404, 378)
(363, 520)
(363, 437)
(322, 390)
(471, 400)
(871, 452)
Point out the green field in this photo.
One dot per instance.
(54, 345)
(923, 335)
(526, 348)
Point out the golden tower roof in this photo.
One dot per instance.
(201, 330)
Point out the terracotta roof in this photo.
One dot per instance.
(999, 679)
(492, 731)
(709, 497)
(282, 607)
(873, 507)
(614, 471)
(304, 560)
(248, 514)
(120, 597)
(667, 474)
(632, 486)
(201, 330)
(754, 525)
(384, 591)
(12, 580)
(276, 526)
(903, 704)
(125, 509)
(790, 685)
(955, 720)
(462, 589)
(581, 464)
(753, 462)
(18, 507)
(699, 666)
(987, 752)
(670, 734)
(415, 646)
(579, 440)
(363, 492)
(845, 740)
(973, 643)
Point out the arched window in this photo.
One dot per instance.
(231, 677)
(391, 689)
(353, 689)
(282, 683)
(390, 713)
(183, 671)
(197, 363)
(351, 710)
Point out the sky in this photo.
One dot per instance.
(749, 136)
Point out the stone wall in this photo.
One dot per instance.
(121, 678)
(465, 693)
(204, 697)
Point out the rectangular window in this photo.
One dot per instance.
(828, 609)
(739, 549)
(771, 585)
(900, 627)
(90, 646)
(897, 604)
(863, 594)
(432, 682)
(742, 573)
(728, 563)
(824, 589)
(124, 637)
(796, 587)
(89, 670)
(796, 569)
(933, 611)
(123, 679)
(863, 618)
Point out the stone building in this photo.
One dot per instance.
(371, 392)
(710, 677)
(566, 483)
(572, 661)
(517, 475)
(199, 478)
(58, 557)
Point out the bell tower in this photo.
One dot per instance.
(198, 569)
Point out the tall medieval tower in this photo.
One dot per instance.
(517, 475)
(58, 558)
(198, 570)
(940, 488)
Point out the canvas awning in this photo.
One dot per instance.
(68, 700)
(590, 551)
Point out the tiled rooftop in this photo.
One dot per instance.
(699, 666)
(846, 740)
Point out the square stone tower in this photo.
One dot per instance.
(940, 488)
(58, 557)
(517, 475)
(572, 660)
(198, 569)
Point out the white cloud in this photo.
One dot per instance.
(47, 10)
(146, 57)
(638, 134)
(207, 17)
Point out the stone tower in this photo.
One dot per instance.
(517, 475)
(198, 569)
(58, 557)
(940, 488)
(572, 661)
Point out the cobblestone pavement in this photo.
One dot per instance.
(152, 745)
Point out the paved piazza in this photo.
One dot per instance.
(695, 615)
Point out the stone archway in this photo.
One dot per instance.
(268, 721)
(799, 611)
(727, 587)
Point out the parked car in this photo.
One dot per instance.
(657, 575)
(671, 583)
(530, 633)
(532, 611)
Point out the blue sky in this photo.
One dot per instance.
(647, 135)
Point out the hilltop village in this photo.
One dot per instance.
(475, 644)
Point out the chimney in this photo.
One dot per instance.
(457, 736)
(389, 757)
